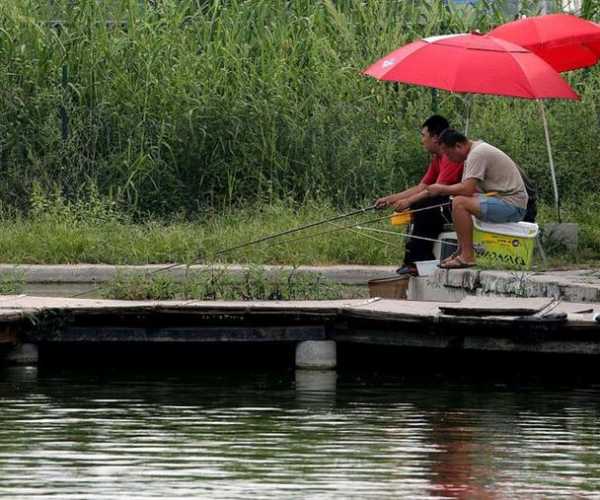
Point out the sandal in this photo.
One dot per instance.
(456, 263)
(407, 270)
(450, 257)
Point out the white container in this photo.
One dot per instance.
(437, 246)
(506, 244)
(426, 267)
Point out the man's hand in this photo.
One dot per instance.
(386, 201)
(436, 189)
(401, 204)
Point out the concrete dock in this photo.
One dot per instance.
(530, 325)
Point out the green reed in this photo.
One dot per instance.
(253, 284)
(180, 106)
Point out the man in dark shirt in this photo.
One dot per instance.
(426, 223)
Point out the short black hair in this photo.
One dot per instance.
(451, 138)
(436, 124)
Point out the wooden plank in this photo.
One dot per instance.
(89, 305)
(8, 335)
(497, 306)
(181, 334)
(395, 338)
(404, 311)
(12, 315)
(452, 343)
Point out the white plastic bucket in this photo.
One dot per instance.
(426, 267)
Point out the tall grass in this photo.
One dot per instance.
(179, 106)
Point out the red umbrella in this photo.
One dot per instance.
(473, 64)
(566, 42)
(480, 65)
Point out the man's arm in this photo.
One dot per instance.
(393, 199)
(404, 203)
(468, 187)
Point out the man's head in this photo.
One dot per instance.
(454, 145)
(430, 132)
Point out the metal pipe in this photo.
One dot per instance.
(551, 160)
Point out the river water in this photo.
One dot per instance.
(88, 435)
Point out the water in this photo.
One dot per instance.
(272, 436)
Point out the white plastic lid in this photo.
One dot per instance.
(518, 229)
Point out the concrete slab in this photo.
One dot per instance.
(572, 286)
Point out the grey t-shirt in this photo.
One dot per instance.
(495, 171)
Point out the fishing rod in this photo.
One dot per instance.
(260, 240)
(291, 231)
(349, 226)
(371, 221)
(296, 229)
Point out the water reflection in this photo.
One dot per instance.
(18, 375)
(299, 435)
(459, 467)
(316, 388)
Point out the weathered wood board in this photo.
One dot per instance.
(486, 323)
(497, 306)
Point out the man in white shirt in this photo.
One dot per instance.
(486, 169)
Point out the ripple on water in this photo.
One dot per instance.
(67, 438)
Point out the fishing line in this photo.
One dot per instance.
(349, 226)
(368, 236)
(406, 235)
(332, 219)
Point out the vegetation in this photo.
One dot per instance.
(590, 9)
(137, 132)
(254, 284)
(180, 106)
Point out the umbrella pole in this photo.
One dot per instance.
(552, 170)
(469, 106)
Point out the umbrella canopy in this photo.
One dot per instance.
(473, 63)
(566, 42)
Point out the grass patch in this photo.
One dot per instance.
(12, 283)
(92, 231)
(586, 213)
(255, 284)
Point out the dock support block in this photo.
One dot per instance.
(23, 354)
(316, 355)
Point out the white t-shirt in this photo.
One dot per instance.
(495, 171)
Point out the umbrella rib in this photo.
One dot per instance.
(529, 88)
(484, 49)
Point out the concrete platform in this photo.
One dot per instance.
(453, 285)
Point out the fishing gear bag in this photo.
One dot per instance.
(530, 187)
